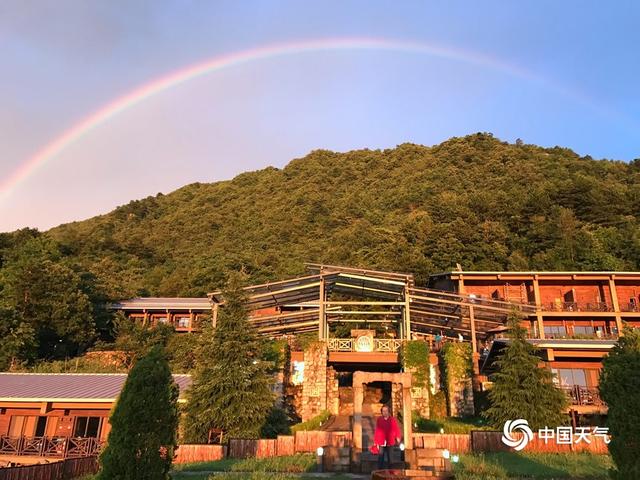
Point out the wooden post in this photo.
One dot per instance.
(538, 300)
(191, 320)
(474, 344)
(615, 303)
(407, 311)
(214, 315)
(323, 330)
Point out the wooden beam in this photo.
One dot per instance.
(538, 300)
(615, 303)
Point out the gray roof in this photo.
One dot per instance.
(163, 304)
(68, 387)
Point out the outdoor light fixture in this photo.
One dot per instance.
(401, 447)
(455, 459)
(442, 430)
(319, 462)
(446, 454)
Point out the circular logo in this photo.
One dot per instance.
(520, 425)
(364, 343)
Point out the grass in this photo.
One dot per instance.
(313, 423)
(451, 425)
(287, 464)
(492, 466)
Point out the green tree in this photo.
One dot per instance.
(620, 387)
(47, 295)
(231, 387)
(521, 388)
(144, 420)
(17, 339)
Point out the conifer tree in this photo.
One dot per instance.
(144, 421)
(521, 388)
(231, 387)
(620, 387)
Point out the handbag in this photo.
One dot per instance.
(374, 449)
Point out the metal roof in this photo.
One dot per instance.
(515, 273)
(68, 387)
(163, 304)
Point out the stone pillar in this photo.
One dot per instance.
(314, 386)
(333, 394)
(358, 398)
(396, 398)
(407, 430)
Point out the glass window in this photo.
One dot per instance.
(572, 376)
(183, 322)
(28, 426)
(87, 427)
(583, 330)
(555, 331)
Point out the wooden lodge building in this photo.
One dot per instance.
(358, 320)
(58, 414)
(362, 317)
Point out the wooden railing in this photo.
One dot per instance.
(579, 395)
(62, 447)
(379, 345)
(575, 307)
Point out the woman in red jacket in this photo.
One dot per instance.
(386, 435)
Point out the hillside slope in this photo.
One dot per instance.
(475, 200)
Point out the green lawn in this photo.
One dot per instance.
(450, 425)
(491, 466)
(532, 465)
(287, 464)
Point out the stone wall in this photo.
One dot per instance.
(333, 395)
(314, 387)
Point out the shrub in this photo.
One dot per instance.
(620, 387)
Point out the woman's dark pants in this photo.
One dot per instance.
(384, 451)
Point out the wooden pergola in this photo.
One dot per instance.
(331, 294)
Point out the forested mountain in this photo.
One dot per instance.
(475, 200)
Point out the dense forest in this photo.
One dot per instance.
(475, 200)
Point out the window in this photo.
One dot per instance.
(184, 322)
(87, 427)
(28, 426)
(555, 331)
(583, 330)
(572, 376)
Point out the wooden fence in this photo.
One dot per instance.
(199, 453)
(483, 441)
(458, 443)
(60, 470)
(301, 442)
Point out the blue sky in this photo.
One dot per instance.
(62, 60)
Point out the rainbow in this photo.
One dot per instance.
(216, 64)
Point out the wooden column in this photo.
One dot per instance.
(407, 430)
(358, 399)
(538, 300)
(615, 303)
(214, 315)
(474, 344)
(323, 330)
(191, 320)
(407, 312)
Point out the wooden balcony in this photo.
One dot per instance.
(58, 447)
(583, 396)
(576, 307)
